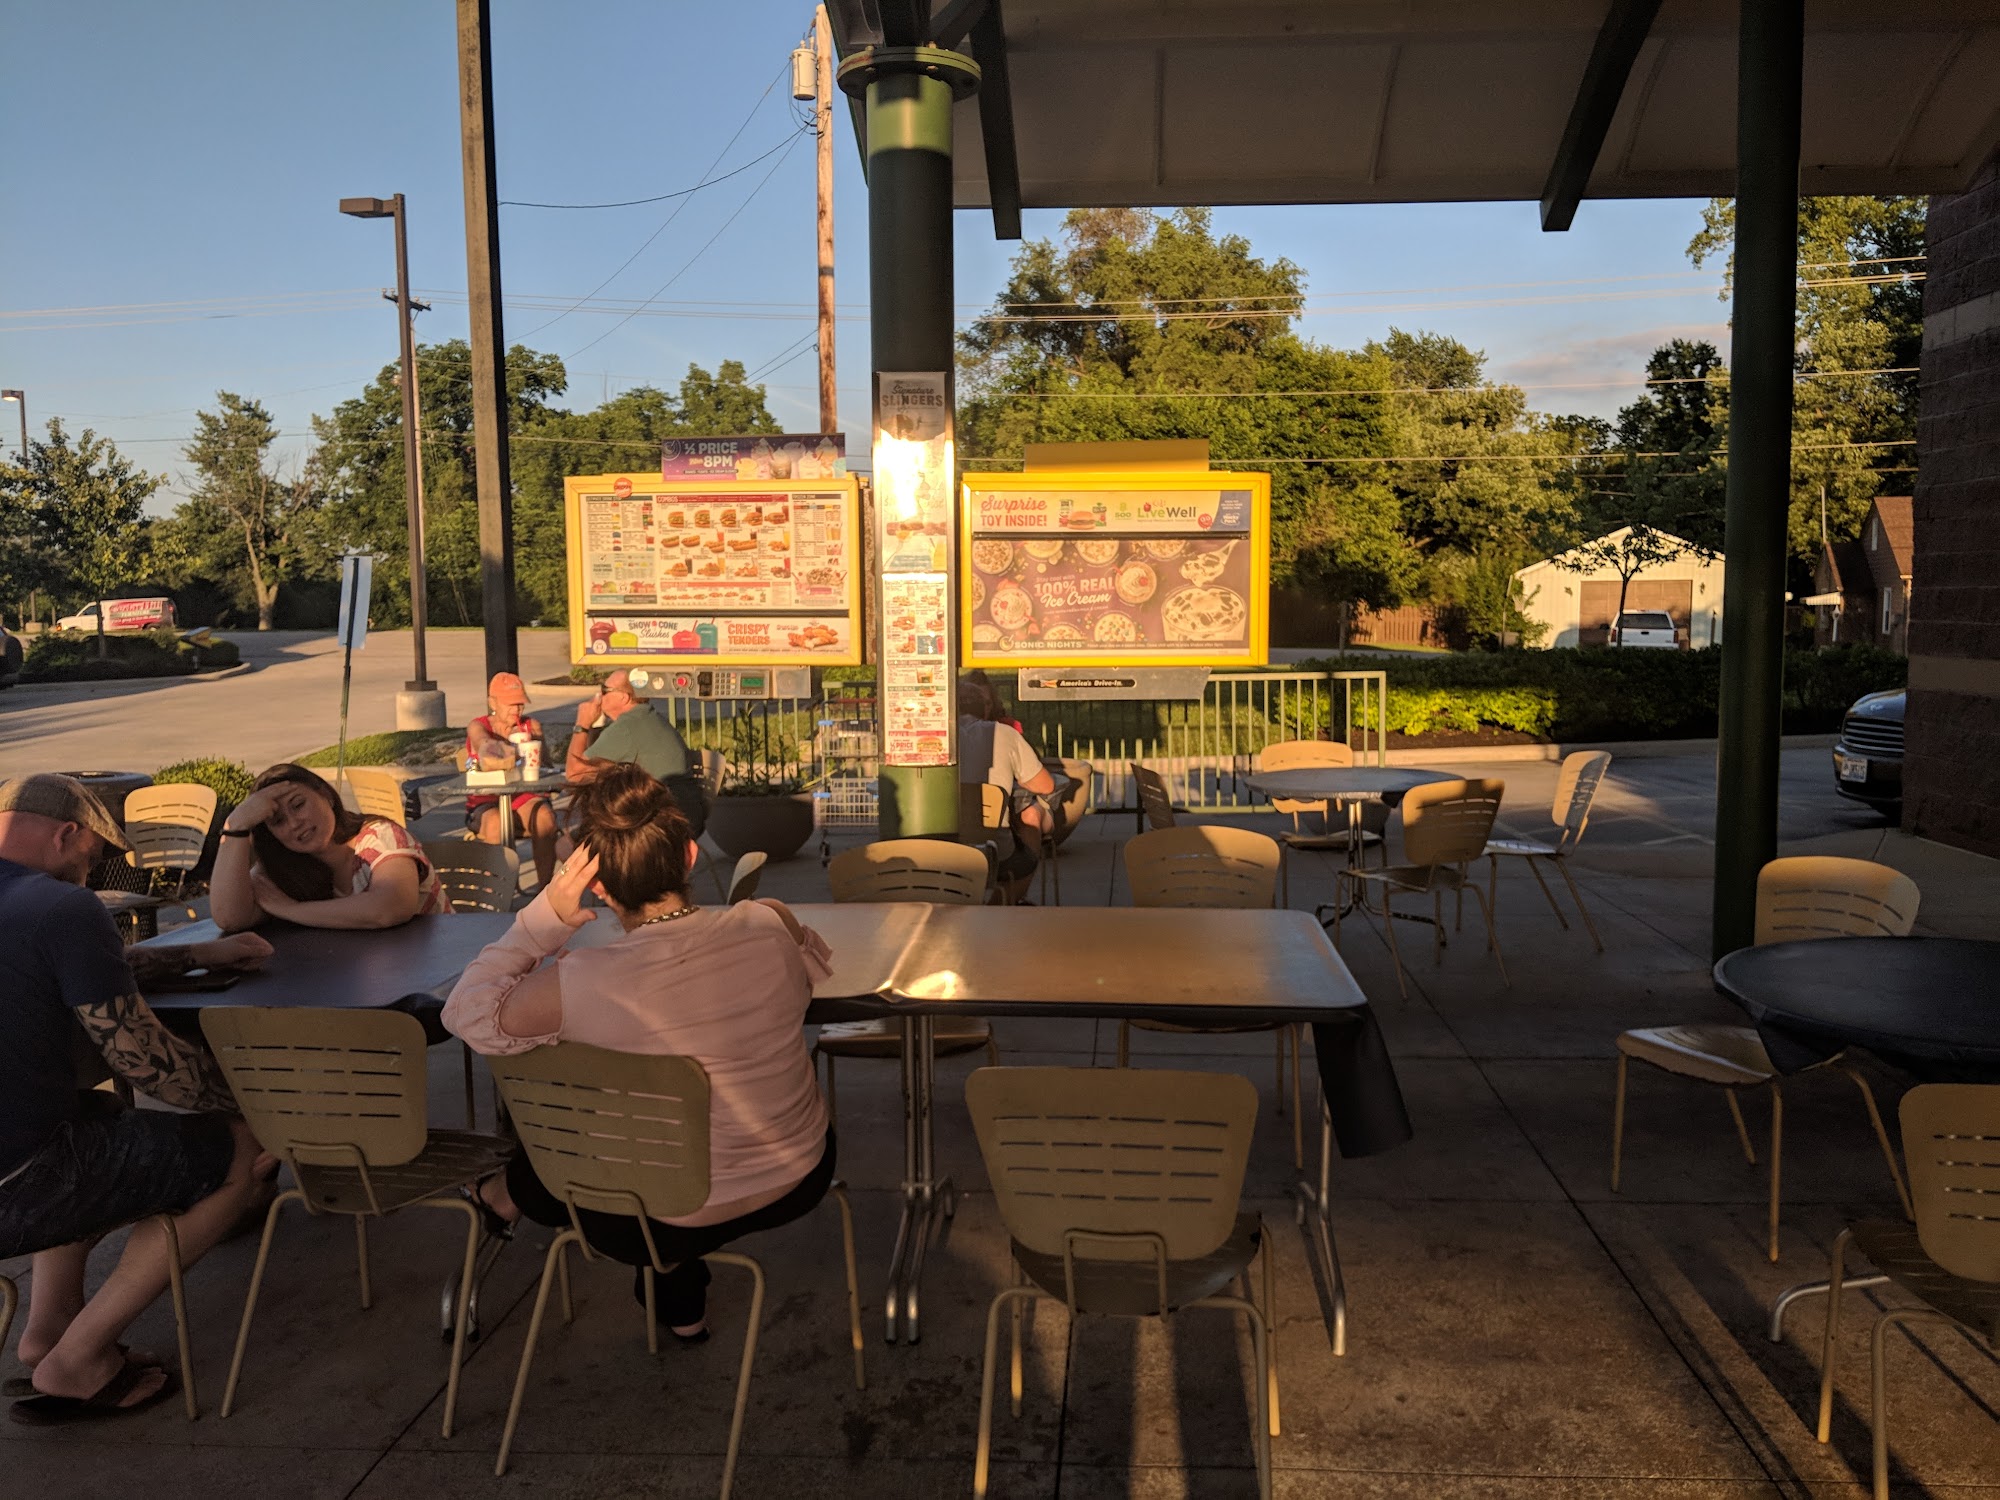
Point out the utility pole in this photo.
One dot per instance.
(829, 400)
(489, 347)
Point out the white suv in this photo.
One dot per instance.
(1646, 627)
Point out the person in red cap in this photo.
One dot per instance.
(489, 746)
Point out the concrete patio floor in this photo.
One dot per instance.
(1516, 1329)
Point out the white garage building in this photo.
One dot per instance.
(1578, 606)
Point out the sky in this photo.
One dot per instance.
(174, 173)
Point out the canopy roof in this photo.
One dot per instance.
(1163, 102)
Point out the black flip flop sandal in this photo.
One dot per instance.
(22, 1387)
(58, 1411)
(490, 1222)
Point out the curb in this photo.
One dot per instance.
(118, 682)
(1624, 749)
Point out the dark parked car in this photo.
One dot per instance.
(1868, 756)
(11, 653)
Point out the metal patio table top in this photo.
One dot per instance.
(1344, 783)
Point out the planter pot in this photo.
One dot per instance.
(772, 826)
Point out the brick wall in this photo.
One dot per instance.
(1951, 777)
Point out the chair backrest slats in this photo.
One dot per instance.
(1951, 1140)
(167, 826)
(749, 871)
(310, 1081)
(1202, 866)
(1577, 782)
(476, 876)
(1156, 800)
(1447, 822)
(910, 870)
(619, 1132)
(377, 794)
(1300, 755)
(1822, 896)
(1114, 1151)
(982, 809)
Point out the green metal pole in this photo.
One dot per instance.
(1770, 52)
(909, 93)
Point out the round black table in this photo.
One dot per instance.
(1349, 785)
(1927, 1005)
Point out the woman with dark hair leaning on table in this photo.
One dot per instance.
(293, 850)
(726, 986)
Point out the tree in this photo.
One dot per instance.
(245, 523)
(83, 503)
(1133, 326)
(1860, 333)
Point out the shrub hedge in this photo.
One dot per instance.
(1605, 693)
(71, 656)
(230, 780)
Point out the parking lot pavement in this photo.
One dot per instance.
(287, 703)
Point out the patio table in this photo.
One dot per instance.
(545, 785)
(1921, 1004)
(913, 962)
(1351, 785)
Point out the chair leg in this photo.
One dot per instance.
(1535, 869)
(461, 1316)
(1492, 934)
(1576, 895)
(839, 1191)
(10, 1302)
(549, 1262)
(1271, 1323)
(361, 1259)
(250, 1298)
(1618, 1120)
(1437, 926)
(749, 1354)
(832, 1107)
(1777, 1140)
(1278, 1035)
(562, 1281)
(471, 1102)
(1878, 1389)
(652, 1312)
(982, 1452)
(1882, 1138)
(1742, 1130)
(1124, 1044)
(1834, 1274)
(1014, 1354)
(176, 1283)
(1298, 1103)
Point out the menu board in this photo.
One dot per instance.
(1116, 569)
(762, 572)
(916, 669)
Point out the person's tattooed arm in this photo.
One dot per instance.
(152, 1059)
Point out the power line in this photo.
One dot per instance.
(659, 198)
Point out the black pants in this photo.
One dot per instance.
(683, 1291)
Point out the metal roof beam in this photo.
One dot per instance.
(996, 121)
(1618, 43)
(905, 23)
(951, 24)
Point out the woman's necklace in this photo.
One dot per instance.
(672, 916)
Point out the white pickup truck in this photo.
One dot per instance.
(121, 614)
(1646, 627)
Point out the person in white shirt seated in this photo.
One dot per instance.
(994, 751)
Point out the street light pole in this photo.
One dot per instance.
(20, 398)
(419, 705)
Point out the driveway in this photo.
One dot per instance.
(285, 704)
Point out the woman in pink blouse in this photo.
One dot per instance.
(727, 987)
(292, 850)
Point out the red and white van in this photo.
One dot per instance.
(121, 614)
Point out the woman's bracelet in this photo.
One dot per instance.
(235, 833)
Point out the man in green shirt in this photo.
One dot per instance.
(616, 727)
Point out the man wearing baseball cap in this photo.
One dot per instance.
(489, 745)
(75, 1164)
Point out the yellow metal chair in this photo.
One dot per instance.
(743, 881)
(1445, 828)
(620, 1133)
(1156, 798)
(983, 818)
(1949, 1260)
(1576, 788)
(1121, 1195)
(1299, 755)
(1216, 867)
(10, 1302)
(711, 766)
(475, 876)
(379, 794)
(338, 1097)
(167, 827)
(906, 870)
(1797, 899)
